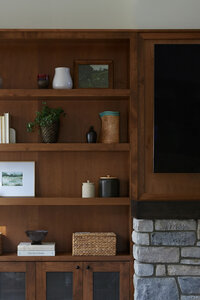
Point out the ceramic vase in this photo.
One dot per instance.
(62, 78)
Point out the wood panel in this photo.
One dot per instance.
(61, 222)
(90, 268)
(69, 170)
(22, 60)
(171, 184)
(44, 268)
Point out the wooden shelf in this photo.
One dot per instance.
(64, 201)
(63, 256)
(63, 147)
(73, 94)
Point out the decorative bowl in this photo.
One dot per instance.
(36, 236)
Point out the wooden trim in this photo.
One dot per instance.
(30, 281)
(98, 147)
(75, 94)
(60, 256)
(41, 201)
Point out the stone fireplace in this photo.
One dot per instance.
(166, 259)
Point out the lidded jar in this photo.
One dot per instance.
(108, 186)
(62, 78)
(88, 189)
(109, 127)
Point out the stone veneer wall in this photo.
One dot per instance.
(167, 259)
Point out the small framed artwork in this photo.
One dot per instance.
(17, 179)
(93, 74)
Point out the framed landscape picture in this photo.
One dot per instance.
(93, 74)
(17, 179)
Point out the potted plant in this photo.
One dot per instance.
(48, 121)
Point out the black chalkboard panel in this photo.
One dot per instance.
(177, 109)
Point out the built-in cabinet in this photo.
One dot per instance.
(83, 280)
(61, 168)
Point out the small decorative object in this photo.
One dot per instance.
(43, 81)
(88, 189)
(108, 186)
(91, 135)
(12, 137)
(109, 127)
(17, 179)
(48, 120)
(1, 83)
(94, 243)
(36, 236)
(62, 78)
(93, 74)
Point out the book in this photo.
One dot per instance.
(3, 133)
(24, 246)
(7, 127)
(35, 253)
(0, 131)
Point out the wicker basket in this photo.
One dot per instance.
(94, 243)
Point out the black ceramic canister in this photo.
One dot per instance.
(108, 186)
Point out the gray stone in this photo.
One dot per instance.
(194, 261)
(198, 229)
(170, 225)
(142, 225)
(156, 254)
(189, 285)
(193, 252)
(160, 270)
(155, 289)
(140, 238)
(183, 270)
(181, 238)
(190, 297)
(143, 269)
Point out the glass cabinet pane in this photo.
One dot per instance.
(12, 286)
(106, 286)
(59, 285)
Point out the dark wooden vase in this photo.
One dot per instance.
(50, 133)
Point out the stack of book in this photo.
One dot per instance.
(4, 129)
(45, 249)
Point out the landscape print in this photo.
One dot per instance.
(12, 178)
(93, 76)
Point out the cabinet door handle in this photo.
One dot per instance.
(88, 267)
(77, 267)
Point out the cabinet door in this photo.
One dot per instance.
(106, 281)
(58, 280)
(17, 281)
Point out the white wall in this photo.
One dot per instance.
(99, 14)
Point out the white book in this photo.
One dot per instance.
(35, 253)
(24, 246)
(3, 133)
(0, 131)
(7, 127)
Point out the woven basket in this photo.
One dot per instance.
(50, 133)
(94, 243)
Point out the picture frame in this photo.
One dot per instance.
(17, 179)
(93, 74)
